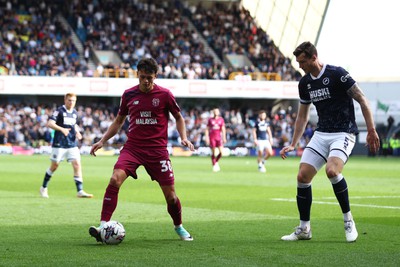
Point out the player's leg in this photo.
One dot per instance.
(340, 151)
(311, 161)
(215, 164)
(175, 211)
(76, 165)
(212, 148)
(220, 149)
(161, 170)
(110, 201)
(304, 201)
(213, 155)
(74, 156)
(268, 151)
(260, 159)
(57, 156)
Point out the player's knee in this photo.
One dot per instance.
(170, 196)
(331, 172)
(302, 177)
(116, 181)
(171, 199)
(54, 166)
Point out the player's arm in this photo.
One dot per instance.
(223, 131)
(181, 128)
(53, 125)
(207, 136)
(254, 132)
(269, 132)
(78, 132)
(372, 137)
(299, 126)
(111, 131)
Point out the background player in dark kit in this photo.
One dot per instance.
(65, 144)
(332, 90)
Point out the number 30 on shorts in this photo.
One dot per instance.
(165, 165)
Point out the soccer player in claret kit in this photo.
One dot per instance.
(215, 137)
(64, 144)
(332, 90)
(148, 106)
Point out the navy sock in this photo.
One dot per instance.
(46, 180)
(304, 200)
(78, 183)
(342, 195)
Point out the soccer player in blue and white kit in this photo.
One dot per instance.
(64, 145)
(332, 90)
(262, 136)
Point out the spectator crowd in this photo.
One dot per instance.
(25, 125)
(34, 40)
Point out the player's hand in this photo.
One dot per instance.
(96, 147)
(373, 141)
(207, 141)
(79, 135)
(285, 150)
(65, 131)
(187, 144)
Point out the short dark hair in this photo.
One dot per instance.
(307, 48)
(148, 65)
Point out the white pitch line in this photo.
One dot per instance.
(363, 197)
(335, 203)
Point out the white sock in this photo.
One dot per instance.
(49, 172)
(347, 216)
(336, 179)
(305, 225)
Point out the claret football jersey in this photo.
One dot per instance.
(215, 127)
(148, 115)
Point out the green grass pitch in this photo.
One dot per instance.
(236, 216)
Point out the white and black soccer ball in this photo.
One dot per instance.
(112, 233)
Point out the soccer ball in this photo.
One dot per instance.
(112, 233)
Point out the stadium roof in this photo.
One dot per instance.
(357, 35)
(289, 23)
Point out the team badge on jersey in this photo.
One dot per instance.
(156, 102)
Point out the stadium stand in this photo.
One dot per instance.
(63, 38)
(25, 125)
(33, 41)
